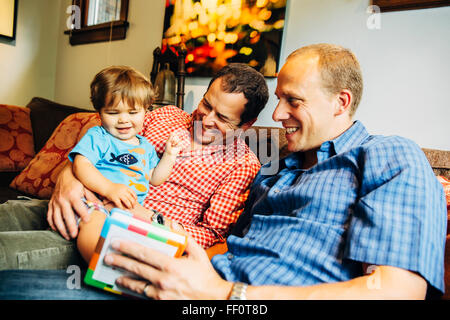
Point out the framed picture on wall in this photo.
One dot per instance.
(8, 17)
(216, 33)
(396, 5)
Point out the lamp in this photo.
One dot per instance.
(167, 75)
(165, 86)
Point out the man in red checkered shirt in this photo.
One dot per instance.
(211, 177)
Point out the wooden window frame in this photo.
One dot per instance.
(108, 31)
(397, 5)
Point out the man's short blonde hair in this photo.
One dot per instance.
(339, 70)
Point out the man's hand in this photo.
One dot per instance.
(66, 203)
(189, 277)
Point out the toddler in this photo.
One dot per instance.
(113, 160)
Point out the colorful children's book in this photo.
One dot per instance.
(123, 225)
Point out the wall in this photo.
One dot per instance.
(77, 65)
(405, 63)
(27, 64)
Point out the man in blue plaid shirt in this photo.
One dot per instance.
(348, 215)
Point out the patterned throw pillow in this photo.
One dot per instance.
(16, 142)
(446, 184)
(39, 177)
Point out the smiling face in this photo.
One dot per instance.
(217, 113)
(122, 121)
(305, 109)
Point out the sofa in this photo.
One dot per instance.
(48, 130)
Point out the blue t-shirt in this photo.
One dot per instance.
(369, 199)
(118, 161)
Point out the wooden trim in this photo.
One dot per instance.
(108, 31)
(115, 30)
(124, 10)
(397, 5)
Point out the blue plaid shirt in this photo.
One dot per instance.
(370, 199)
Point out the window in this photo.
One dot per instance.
(98, 20)
(101, 11)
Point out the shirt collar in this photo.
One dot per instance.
(352, 137)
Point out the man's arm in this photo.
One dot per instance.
(193, 277)
(384, 283)
(66, 202)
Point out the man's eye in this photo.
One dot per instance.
(207, 106)
(293, 101)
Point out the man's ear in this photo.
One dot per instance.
(248, 124)
(344, 101)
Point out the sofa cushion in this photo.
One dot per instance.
(16, 143)
(446, 184)
(39, 177)
(268, 143)
(439, 161)
(45, 116)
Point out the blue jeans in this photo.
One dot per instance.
(49, 285)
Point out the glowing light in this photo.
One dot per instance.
(197, 33)
(264, 14)
(246, 50)
(203, 18)
(222, 10)
(261, 3)
(211, 37)
(212, 26)
(193, 25)
(279, 24)
(174, 40)
(221, 35)
(190, 57)
(231, 38)
(258, 25)
(208, 27)
(197, 7)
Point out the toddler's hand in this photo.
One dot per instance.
(174, 144)
(122, 196)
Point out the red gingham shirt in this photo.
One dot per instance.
(207, 188)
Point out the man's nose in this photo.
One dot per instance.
(209, 119)
(280, 113)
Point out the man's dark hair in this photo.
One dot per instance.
(239, 77)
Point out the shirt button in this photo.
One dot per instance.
(230, 256)
(276, 190)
